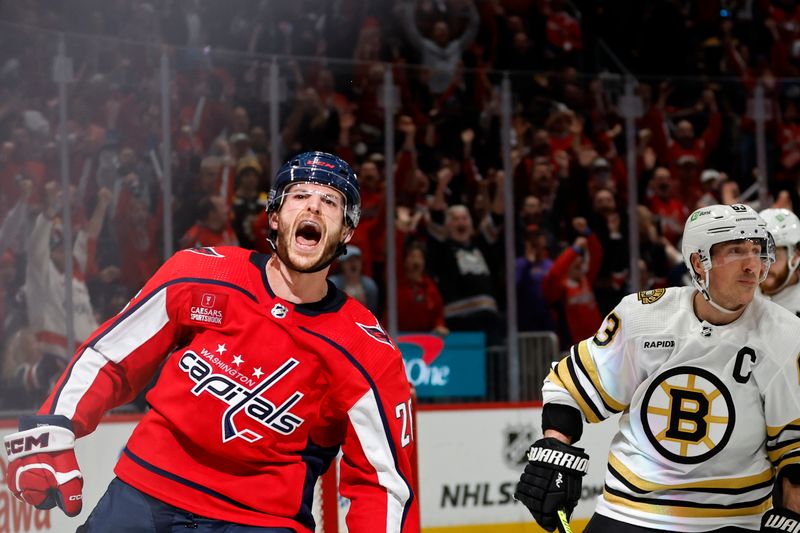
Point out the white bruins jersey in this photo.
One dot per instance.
(709, 413)
(788, 298)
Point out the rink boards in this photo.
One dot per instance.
(470, 457)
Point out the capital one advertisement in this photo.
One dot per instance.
(451, 366)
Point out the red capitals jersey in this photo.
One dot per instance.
(255, 397)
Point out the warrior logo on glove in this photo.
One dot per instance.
(552, 480)
(559, 458)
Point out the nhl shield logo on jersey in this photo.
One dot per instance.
(279, 311)
(688, 414)
(377, 333)
(516, 441)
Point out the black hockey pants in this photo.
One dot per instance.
(124, 509)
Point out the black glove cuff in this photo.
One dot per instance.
(34, 421)
(564, 419)
(792, 473)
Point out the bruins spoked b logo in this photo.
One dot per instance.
(688, 414)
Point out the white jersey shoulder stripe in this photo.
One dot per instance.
(116, 342)
(130, 330)
(140, 325)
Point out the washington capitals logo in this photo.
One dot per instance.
(240, 398)
(205, 251)
(377, 333)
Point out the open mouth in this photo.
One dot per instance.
(308, 234)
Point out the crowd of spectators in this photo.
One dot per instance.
(696, 145)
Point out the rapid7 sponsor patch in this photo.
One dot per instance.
(659, 343)
(242, 399)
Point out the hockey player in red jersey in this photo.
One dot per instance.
(266, 372)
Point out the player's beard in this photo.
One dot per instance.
(776, 278)
(284, 245)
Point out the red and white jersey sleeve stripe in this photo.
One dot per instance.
(115, 363)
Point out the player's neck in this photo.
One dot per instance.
(293, 286)
(705, 311)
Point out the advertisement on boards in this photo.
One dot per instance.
(470, 461)
(452, 366)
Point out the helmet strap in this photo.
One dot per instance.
(704, 290)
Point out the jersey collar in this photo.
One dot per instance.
(330, 303)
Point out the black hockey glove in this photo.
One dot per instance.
(780, 520)
(552, 480)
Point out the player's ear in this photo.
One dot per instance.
(347, 234)
(272, 218)
(697, 266)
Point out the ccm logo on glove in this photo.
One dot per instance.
(28, 443)
(558, 458)
(42, 468)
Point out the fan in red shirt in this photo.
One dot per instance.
(570, 281)
(138, 229)
(563, 32)
(663, 200)
(212, 227)
(687, 154)
(418, 299)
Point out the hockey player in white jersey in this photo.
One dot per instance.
(781, 284)
(706, 381)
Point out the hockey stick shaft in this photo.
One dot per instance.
(563, 522)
